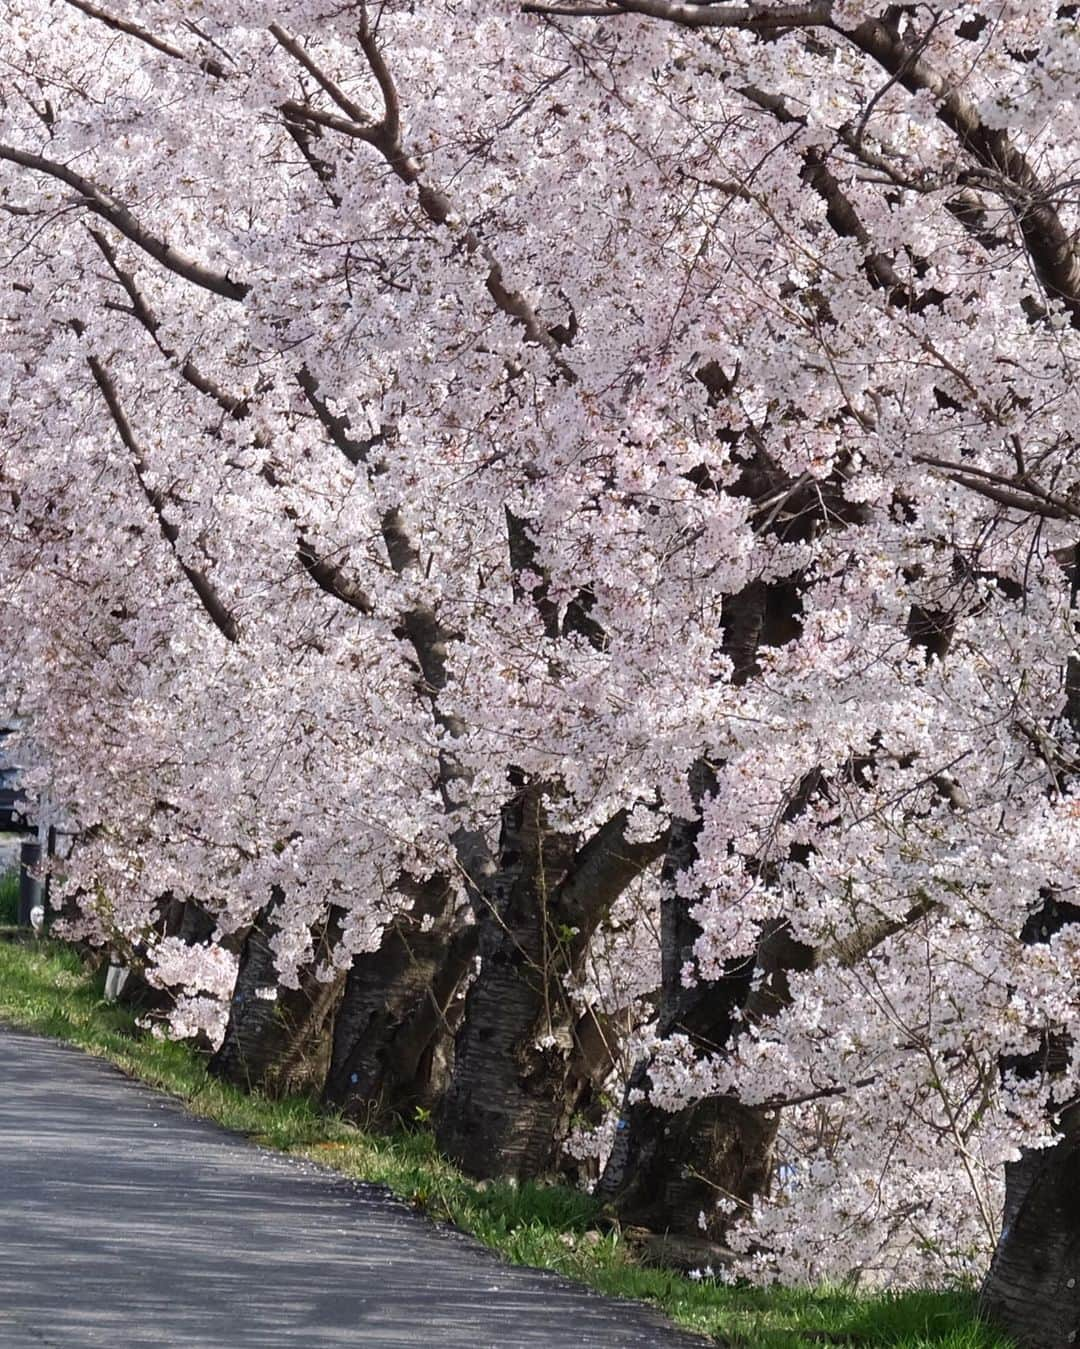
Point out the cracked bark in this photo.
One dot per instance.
(524, 1059)
(281, 1044)
(393, 1026)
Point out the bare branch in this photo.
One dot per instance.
(296, 51)
(391, 108)
(303, 112)
(851, 950)
(752, 18)
(337, 428)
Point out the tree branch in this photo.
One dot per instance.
(119, 25)
(1018, 493)
(234, 407)
(601, 870)
(323, 572)
(385, 136)
(296, 51)
(1049, 244)
(209, 598)
(118, 215)
(329, 577)
(752, 18)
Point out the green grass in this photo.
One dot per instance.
(9, 898)
(44, 987)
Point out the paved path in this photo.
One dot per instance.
(125, 1222)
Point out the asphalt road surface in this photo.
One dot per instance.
(125, 1222)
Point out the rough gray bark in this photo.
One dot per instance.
(1032, 1291)
(393, 1030)
(489, 1121)
(282, 1044)
(667, 1169)
(510, 1098)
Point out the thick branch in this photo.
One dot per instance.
(296, 51)
(1017, 493)
(119, 25)
(331, 578)
(752, 18)
(601, 870)
(337, 428)
(1049, 243)
(840, 212)
(118, 215)
(391, 108)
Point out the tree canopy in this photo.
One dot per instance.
(593, 486)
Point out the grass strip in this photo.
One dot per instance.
(44, 987)
(9, 898)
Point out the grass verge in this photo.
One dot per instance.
(9, 898)
(44, 987)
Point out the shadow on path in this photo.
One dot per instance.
(125, 1222)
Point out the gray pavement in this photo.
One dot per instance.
(125, 1222)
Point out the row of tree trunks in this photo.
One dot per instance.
(379, 1043)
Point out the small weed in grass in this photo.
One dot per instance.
(44, 987)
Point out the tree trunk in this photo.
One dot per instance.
(679, 1166)
(668, 1170)
(597, 1038)
(493, 1120)
(519, 1072)
(278, 1039)
(1032, 1291)
(392, 1028)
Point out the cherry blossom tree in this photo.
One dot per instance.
(539, 551)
